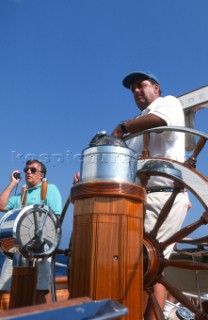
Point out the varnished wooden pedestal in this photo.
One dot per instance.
(23, 287)
(107, 259)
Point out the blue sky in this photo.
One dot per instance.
(61, 67)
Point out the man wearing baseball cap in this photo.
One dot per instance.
(156, 111)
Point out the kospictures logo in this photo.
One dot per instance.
(54, 159)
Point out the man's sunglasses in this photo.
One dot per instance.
(32, 169)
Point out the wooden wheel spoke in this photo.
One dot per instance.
(146, 139)
(191, 162)
(185, 231)
(183, 264)
(203, 241)
(163, 214)
(182, 299)
(155, 305)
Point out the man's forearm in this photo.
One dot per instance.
(143, 123)
(4, 196)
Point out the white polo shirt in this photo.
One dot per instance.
(165, 144)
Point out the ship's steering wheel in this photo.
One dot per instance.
(184, 175)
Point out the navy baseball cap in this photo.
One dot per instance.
(130, 78)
